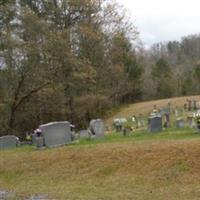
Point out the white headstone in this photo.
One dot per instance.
(97, 127)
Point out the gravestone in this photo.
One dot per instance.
(8, 142)
(84, 134)
(56, 133)
(180, 123)
(167, 118)
(117, 124)
(176, 112)
(194, 105)
(97, 127)
(190, 121)
(127, 130)
(198, 125)
(162, 111)
(155, 124)
(198, 105)
(189, 105)
(185, 107)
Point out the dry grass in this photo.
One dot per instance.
(133, 170)
(146, 107)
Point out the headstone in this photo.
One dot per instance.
(180, 123)
(190, 121)
(84, 134)
(176, 112)
(8, 142)
(6, 195)
(56, 133)
(155, 124)
(97, 127)
(189, 105)
(194, 105)
(141, 121)
(167, 117)
(198, 105)
(162, 111)
(117, 124)
(185, 106)
(198, 125)
(127, 130)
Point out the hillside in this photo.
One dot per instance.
(142, 166)
(146, 107)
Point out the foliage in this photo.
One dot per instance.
(61, 61)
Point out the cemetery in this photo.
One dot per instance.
(58, 152)
(56, 134)
(99, 100)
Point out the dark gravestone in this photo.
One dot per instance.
(155, 124)
(97, 127)
(127, 130)
(198, 125)
(189, 105)
(185, 106)
(167, 118)
(180, 123)
(56, 133)
(194, 105)
(8, 142)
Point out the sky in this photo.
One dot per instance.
(163, 20)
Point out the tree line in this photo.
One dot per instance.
(76, 60)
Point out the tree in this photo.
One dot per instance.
(161, 73)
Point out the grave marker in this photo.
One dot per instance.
(155, 124)
(56, 133)
(8, 142)
(97, 127)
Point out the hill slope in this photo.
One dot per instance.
(130, 168)
(146, 107)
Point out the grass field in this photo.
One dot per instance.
(142, 166)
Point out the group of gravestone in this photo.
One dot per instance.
(161, 118)
(56, 134)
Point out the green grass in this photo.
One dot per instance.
(143, 135)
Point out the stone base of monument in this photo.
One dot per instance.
(39, 141)
(84, 134)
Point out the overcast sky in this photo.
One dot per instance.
(159, 20)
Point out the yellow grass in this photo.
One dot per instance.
(159, 170)
(146, 107)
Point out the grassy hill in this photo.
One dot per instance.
(146, 107)
(141, 166)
